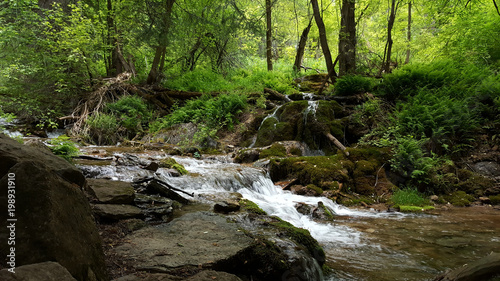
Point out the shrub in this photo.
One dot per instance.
(62, 146)
(352, 85)
(131, 112)
(102, 128)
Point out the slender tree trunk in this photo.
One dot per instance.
(161, 49)
(269, 39)
(388, 46)
(323, 41)
(302, 46)
(408, 34)
(347, 38)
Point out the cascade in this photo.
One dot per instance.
(272, 115)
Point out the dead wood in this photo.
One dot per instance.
(337, 143)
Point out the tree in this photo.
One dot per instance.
(269, 39)
(408, 34)
(323, 41)
(301, 47)
(347, 38)
(386, 62)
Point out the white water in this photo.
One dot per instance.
(212, 177)
(272, 115)
(5, 124)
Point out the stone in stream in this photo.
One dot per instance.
(45, 271)
(111, 192)
(226, 206)
(487, 268)
(196, 239)
(116, 212)
(204, 275)
(54, 219)
(154, 207)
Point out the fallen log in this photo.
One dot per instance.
(337, 143)
(275, 95)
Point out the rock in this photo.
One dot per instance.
(153, 166)
(303, 208)
(154, 207)
(111, 192)
(247, 155)
(45, 271)
(226, 207)
(434, 198)
(54, 219)
(485, 200)
(156, 188)
(482, 269)
(207, 275)
(116, 212)
(36, 143)
(487, 168)
(150, 277)
(129, 160)
(196, 239)
(322, 212)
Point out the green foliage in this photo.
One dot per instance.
(276, 150)
(103, 128)
(62, 146)
(131, 111)
(352, 85)
(209, 113)
(415, 209)
(409, 197)
(459, 199)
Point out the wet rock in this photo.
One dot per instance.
(434, 198)
(213, 275)
(36, 143)
(247, 155)
(322, 212)
(489, 168)
(196, 239)
(55, 221)
(116, 212)
(153, 166)
(111, 192)
(482, 269)
(157, 188)
(485, 200)
(129, 160)
(303, 208)
(226, 207)
(45, 271)
(154, 207)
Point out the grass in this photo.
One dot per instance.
(409, 199)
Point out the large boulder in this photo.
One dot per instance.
(111, 192)
(53, 217)
(196, 239)
(45, 271)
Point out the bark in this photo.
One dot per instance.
(337, 143)
(161, 49)
(347, 38)
(388, 46)
(269, 40)
(302, 47)
(408, 34)
(323, 41)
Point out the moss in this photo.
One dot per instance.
(295, 151)
(459, 199)
(357, 201)
(301, 236)
(251, 207)
(170, 163)
(316, 189)
(415, 209)
(495, 200)
(276, 150)
(326, 211)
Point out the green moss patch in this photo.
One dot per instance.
(251, 207)
(415, 209)
(276, 150)
(459, 199)
(170, 163)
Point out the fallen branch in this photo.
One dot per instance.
(337, 143)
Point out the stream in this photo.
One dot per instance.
(359, 244)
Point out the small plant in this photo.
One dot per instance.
(62, 146)
(352, 85)
(409, 197)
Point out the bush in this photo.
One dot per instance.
(352, 85)
(131, 112)
(62, 146)
(103, 128)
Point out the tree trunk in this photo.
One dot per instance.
(388, 46)
(161, 49)
(337, 143)
(302, 47)
(323, 41)
(408, 52)
(347, 38)
(269, 39)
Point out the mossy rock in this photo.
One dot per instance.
(251, 207)
(315, 188)
(276, 150)
(459, 199)
(170, 163)
(301, 236)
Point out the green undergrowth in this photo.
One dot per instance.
(410, 200)
(415, 209)
(63, 146)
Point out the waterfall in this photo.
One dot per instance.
(272, 115)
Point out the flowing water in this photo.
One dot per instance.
(360, 245)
